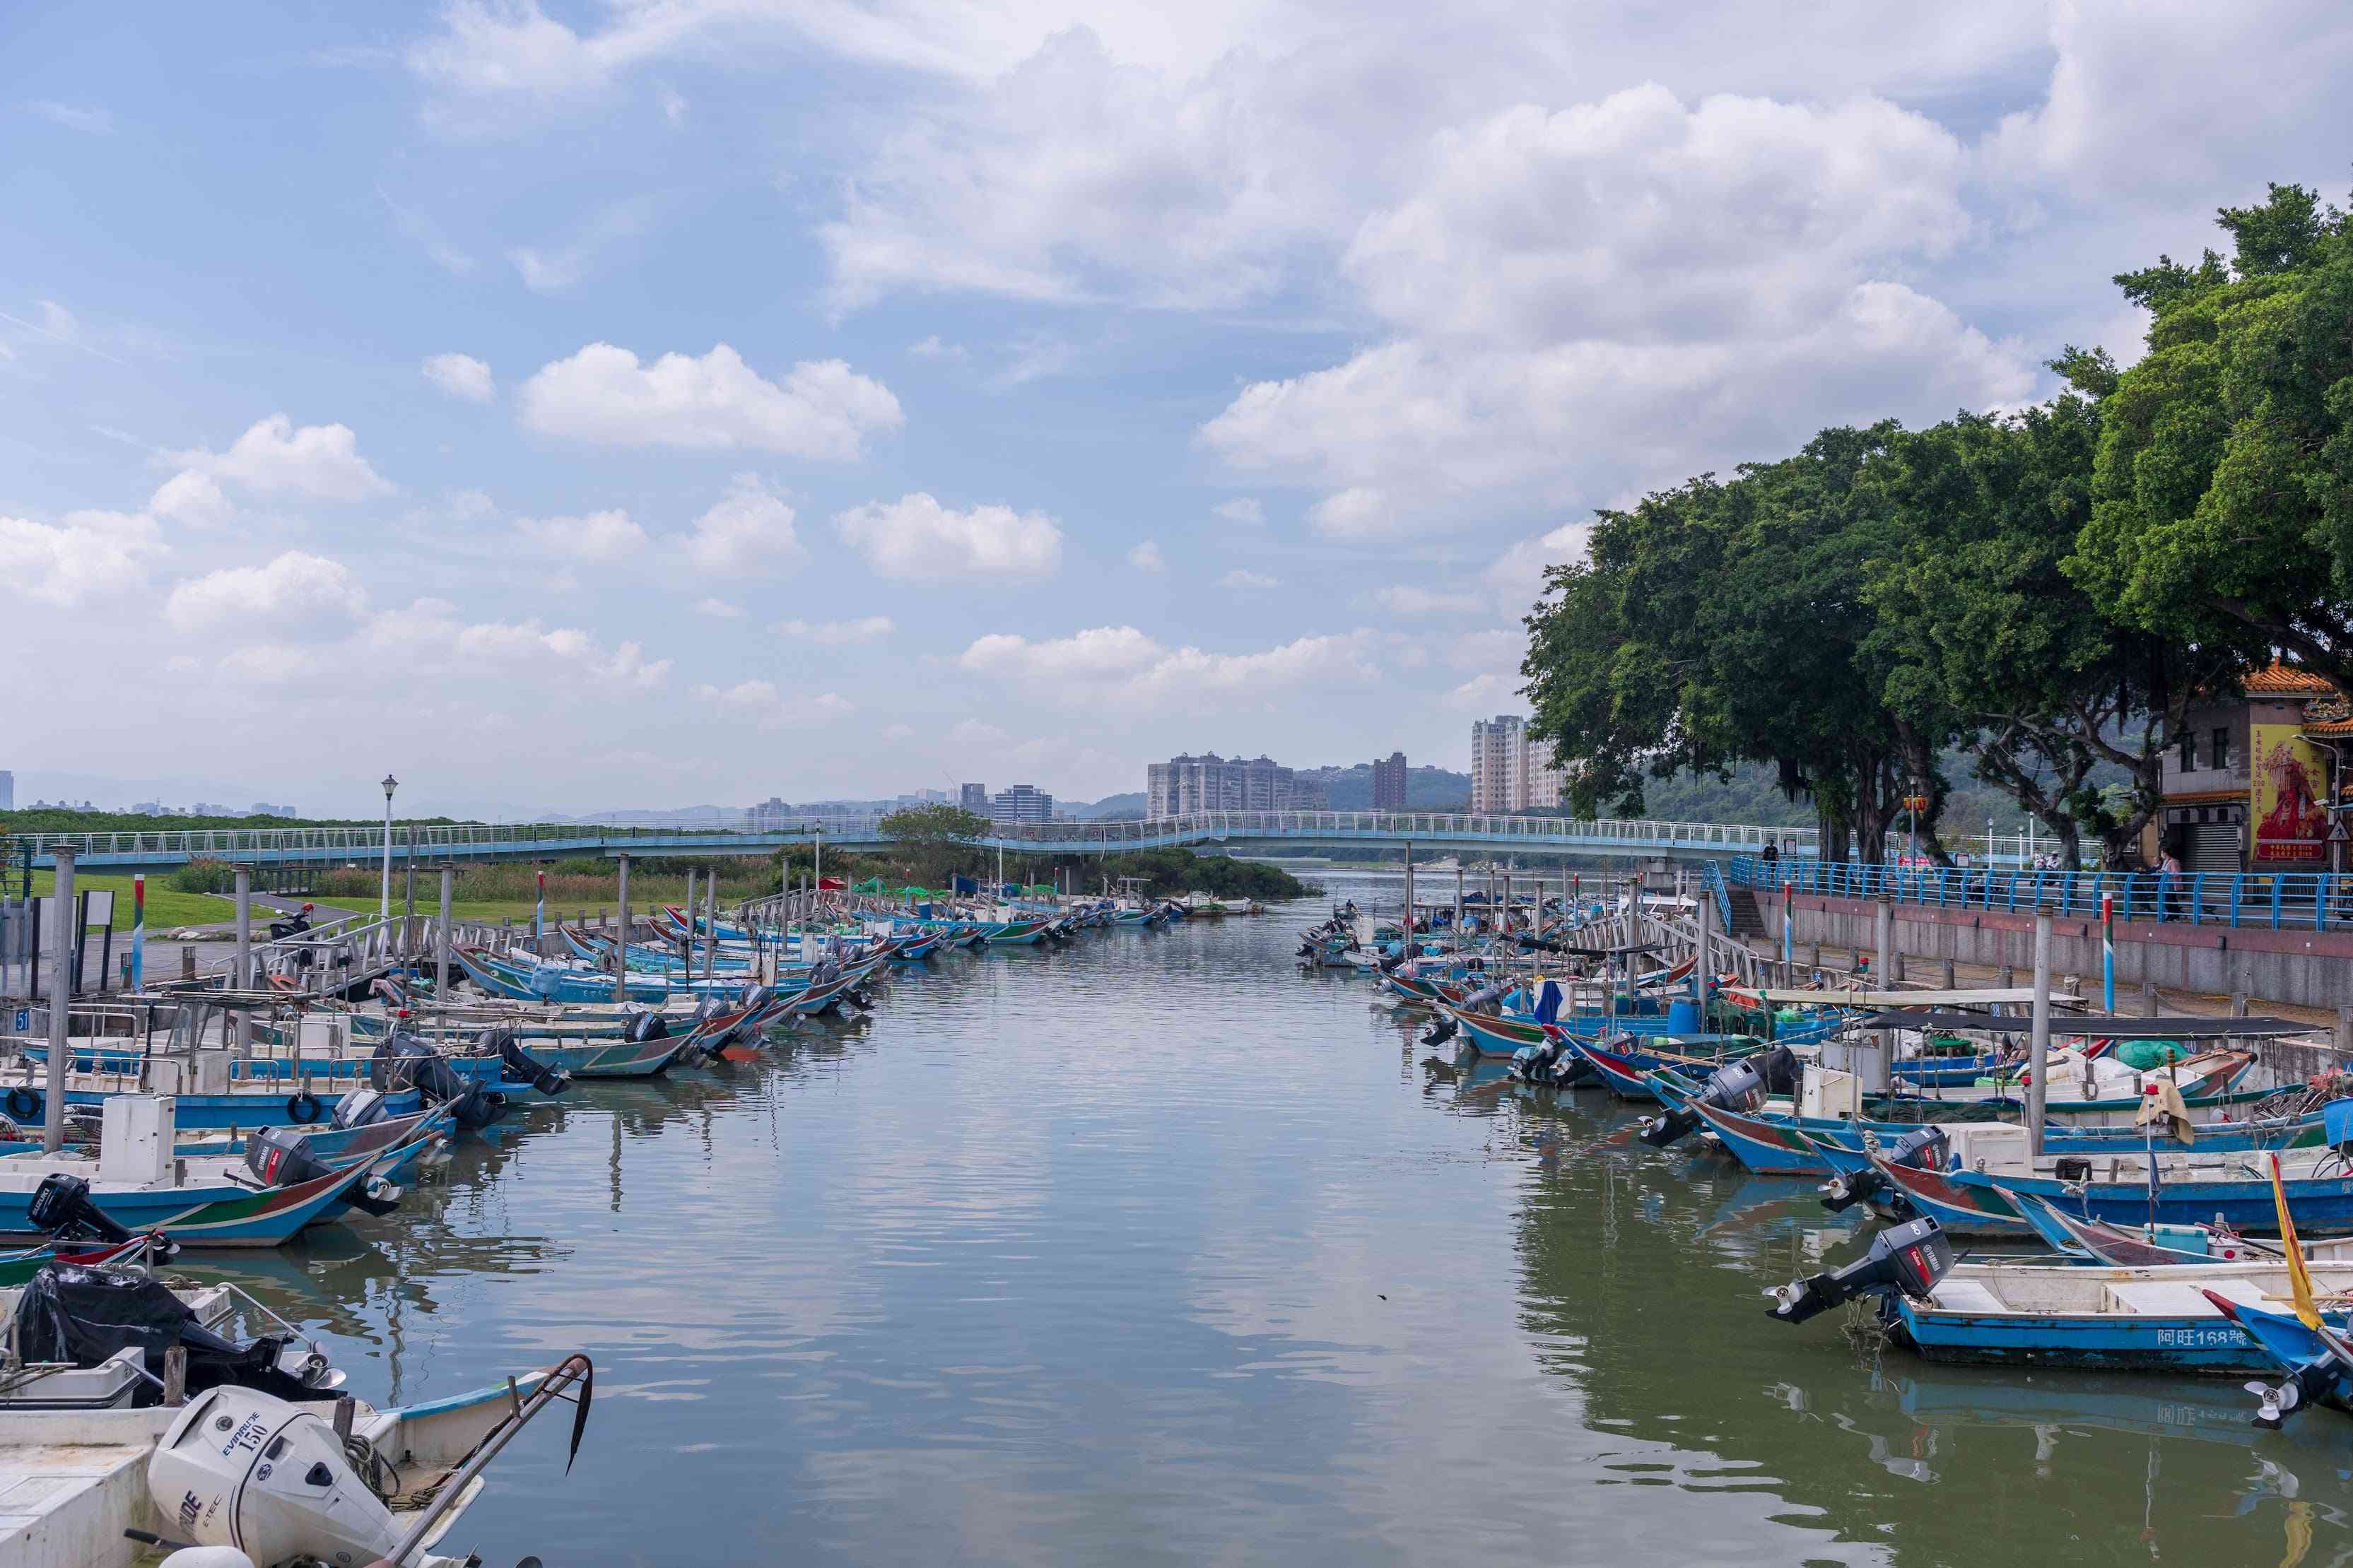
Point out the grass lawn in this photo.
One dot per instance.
(166, 907)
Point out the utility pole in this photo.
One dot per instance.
(62, 957)
(2039, 1088)
(621, 945)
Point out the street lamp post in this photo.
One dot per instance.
(384, 906)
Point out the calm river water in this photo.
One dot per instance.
(1154, 1250)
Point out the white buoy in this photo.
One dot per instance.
(208, 1557)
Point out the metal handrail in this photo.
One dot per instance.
(2276, 900)
(364, 844)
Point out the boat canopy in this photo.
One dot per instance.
(2107, 1025)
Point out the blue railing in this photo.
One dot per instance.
(2277, 901)
(1713, 874)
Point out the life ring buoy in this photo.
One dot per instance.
(304, 1108)
(22, 1104)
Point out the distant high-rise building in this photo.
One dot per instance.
(1022, 802)
(1210, 782)
(972, 797)
(1388, 782)
(769, 816)
(8, 790)
(1509, 770)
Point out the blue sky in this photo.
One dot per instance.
(576, 405)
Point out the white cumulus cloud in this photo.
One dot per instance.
(1125, 665)
(718, 609)
(603, 394)
(1243, 580)
(275, 456)
(916, 537)
(1242, 510)
(598, 536)
(461, 375)
(86, 555)
(191, 498)
(293, 588)
(1146, 557)
(749, 532)
(833, 634)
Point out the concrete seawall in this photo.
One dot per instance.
(2302, 968)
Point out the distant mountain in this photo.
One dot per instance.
(1426, 789)
(1110, 808)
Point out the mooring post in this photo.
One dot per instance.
(2038, 1090)
(2148, 999)
(241, 976)
(61, 951)
(621, 943)
(1882, 1067)
(441, 968)
(691, 908)
(1705, 910)
(1408, 898)
(711, 928)
(409, 944)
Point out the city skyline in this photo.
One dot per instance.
(731, 399)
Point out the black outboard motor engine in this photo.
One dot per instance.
(62, 1209)
(280, 1157)
(412, 1061)
(1741, 1086)
(1486, 997)
(360, 1108)
(1908, 1257)
(1922, 1148)
(649, 1026)
(1440, 1031)
(521, 1067)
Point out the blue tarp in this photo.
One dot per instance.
(963, 885)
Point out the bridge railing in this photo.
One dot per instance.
(1453, 827)
(2277, 900)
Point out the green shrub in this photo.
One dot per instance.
(201, 875)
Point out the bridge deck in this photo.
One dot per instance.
(366, 846)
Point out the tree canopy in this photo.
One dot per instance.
(2047, 590)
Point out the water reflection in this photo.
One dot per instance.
(1155, 1249)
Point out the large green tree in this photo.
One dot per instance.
(1726, 622)
(2222, 494)
(1978, 624)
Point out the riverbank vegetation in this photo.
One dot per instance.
(2044, 593)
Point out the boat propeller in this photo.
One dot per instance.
(2277, 1402)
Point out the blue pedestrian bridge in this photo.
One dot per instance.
(1268, 830)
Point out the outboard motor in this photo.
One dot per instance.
(62, 1209)
(649, 1026)
(280, 1157)
(1740, 1087)
(1922, 1148)
(1486, 997)
(1440, 1031)
(1908, 1257)
(523, 1066)
(1551, 1062)
(412, 1061)
(268, 1477)
(360, 1108)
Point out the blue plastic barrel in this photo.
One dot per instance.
(2337, 1122)
(1682, 1018)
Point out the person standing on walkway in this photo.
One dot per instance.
(2169, 884)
